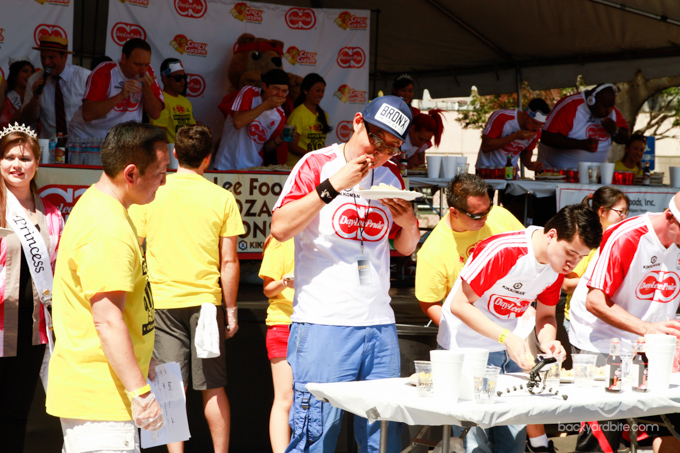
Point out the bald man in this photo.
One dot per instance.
(624, 294)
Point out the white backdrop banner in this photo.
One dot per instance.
(22, 22)
(201, 33)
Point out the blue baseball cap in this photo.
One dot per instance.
(389, 113)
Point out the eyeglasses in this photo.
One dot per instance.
(178, 78)
(481, 216)
(380, 144)
(623, 213)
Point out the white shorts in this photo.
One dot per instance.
(84, 436)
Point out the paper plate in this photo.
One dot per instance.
(4, 232)
(549, 178)
(379, 194)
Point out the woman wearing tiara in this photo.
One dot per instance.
(27, 258)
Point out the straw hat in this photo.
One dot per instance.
(53, 43)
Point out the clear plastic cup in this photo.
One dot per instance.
(584, 369)
(551, 373)
(424, 377)
(485, 385)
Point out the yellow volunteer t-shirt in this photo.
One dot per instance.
(277, 261)
(99, 252)
(308, 126)
(579, 270)
(176, 114)
(618, 166)
(445, 251)
(182, 227)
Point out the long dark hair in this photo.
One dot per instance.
(307, 83)
(14, 70)
(605, 197)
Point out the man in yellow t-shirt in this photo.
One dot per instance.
(103, 309)
(178, 111)
(470, 220)
(191, 230)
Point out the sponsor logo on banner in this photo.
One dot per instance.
(191, 8)
(348, 94)
(48, 30)
(241, 11)
(301, 18)
(352, 221)
(597, 131)
(658, 286)
(195, 85)
(393, 118)
(63, 196)
(344, 130)
(142, 3)
(348, 21)
(184, 45)
(508, 306)
(351, 57)
(55, 2)
(297, 56)
(122, 32)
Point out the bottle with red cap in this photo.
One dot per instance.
(640, 367)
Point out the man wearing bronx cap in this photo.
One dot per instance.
(630, 288)
(343, 327)
(54, 98)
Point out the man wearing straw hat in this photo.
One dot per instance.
(55, 92)
(634, 288)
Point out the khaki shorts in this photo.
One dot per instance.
(175, 331)
(82, 436)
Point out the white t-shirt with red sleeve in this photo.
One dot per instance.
(242, 148)
(638, 274)
(504, 272)
(328, 287)
(572, 118)
(105, 82)
(501, 124)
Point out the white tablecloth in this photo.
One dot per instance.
(396, 400)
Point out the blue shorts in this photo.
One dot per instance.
(320, 353)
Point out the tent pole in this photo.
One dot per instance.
(375, 49)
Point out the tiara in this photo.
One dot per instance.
(16, 128)
(404, 76)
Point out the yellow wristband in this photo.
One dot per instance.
(504, 334)
(139, 391)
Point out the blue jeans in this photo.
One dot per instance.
(320, 353)
(498, 439)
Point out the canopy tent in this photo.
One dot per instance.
(450, 45)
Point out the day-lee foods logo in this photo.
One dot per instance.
(195, 85)
(351, 57)
(508, 306)
(191, 8)
(122, 32)
(659, 286)
(64, 197)
(300, 18)
(597, 131)
(241, 11)
(48, 30)
(357, 222)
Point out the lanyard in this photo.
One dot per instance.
(362, 222)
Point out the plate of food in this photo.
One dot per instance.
(544, 177)
(383, 190)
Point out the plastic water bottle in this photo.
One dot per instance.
(52, 148)
(135, 98)
(75, 156)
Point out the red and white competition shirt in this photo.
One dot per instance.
(328, 289)
(242, 148)
(105, 82)
(571, 117)
(501, 124)
(638, 274)
(504, 272)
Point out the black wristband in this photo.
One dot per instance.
(326, 191)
